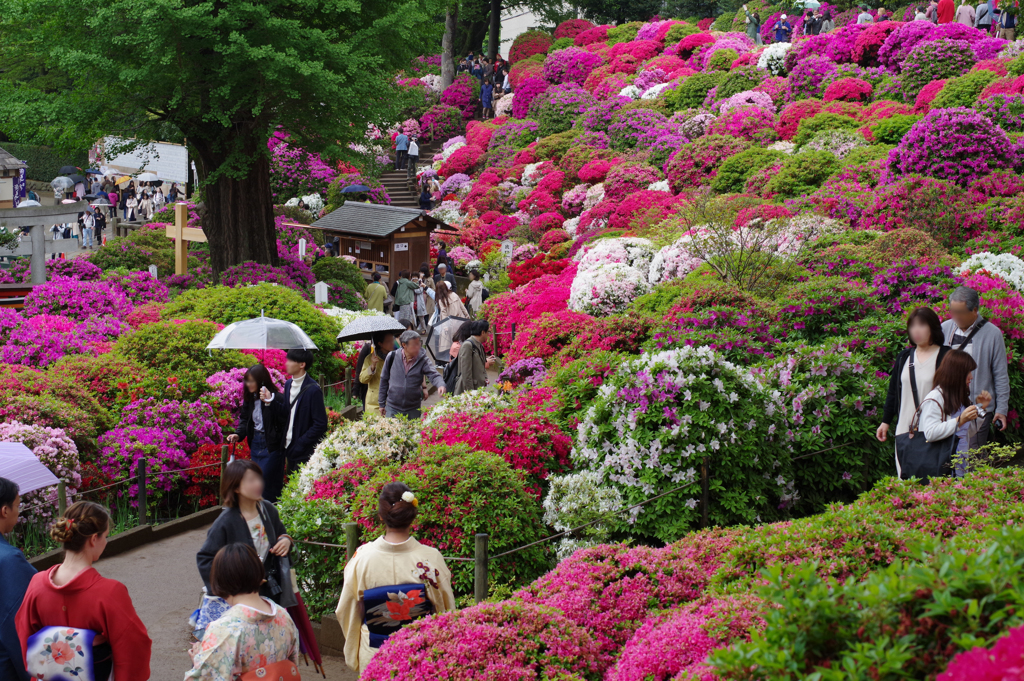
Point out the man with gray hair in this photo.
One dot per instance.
(443, 273)
(401, 380)
(983, 341)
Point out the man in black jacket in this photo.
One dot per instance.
(307, 416)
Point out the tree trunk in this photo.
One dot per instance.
(493, 36)
(239, 219)
(447, 58)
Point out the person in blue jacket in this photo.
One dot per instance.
(17, 573)
(783, 30)
(487, 96)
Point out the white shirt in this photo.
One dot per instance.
(296, 387)
(414, 149)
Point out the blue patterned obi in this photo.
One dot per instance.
(389, 608)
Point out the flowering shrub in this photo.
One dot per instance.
(440, 122)
(528, 442)
(122, 449)
(707, 408)
(848, 90)
(489, 640)
(526, 92)
(955, 144)
(460, 95)
(999, 662)
(1006, 111)
(606, 288)
(934, 60)
(697, 162)
(463, 160)
(58, 453)
(1005, 266)
(228, 387)
(528, 44)
(571, 65)
(140, 287)
(572, 28)
(297, 172)
(43, 339)
(751, 123)
(78, 300)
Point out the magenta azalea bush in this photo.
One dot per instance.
(79, 300)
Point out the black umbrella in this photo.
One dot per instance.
(355, 189)
(77, 179)
(69, 170)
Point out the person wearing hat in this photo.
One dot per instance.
(783, 30)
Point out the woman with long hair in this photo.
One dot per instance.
(448, 302)
(255, 635)
(369, 367)
(263, 421)
(73, 601)
(394, 563)
(429, 288)
(924, 329)
(947, 410)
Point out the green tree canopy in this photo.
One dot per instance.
(221, 75)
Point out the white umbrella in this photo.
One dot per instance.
(62, 182)
(29, 203)
(147, 177)
(260, 334)
(20, 465)
(363, 328)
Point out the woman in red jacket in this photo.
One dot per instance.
(73, 594)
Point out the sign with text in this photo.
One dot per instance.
(402, 246)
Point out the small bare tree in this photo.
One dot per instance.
(760, 255)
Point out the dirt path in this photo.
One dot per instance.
(165, 588)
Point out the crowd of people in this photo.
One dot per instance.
(71, 622)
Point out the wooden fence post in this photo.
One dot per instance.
(62, 497)
(351, 539)
(223, 460)
(143, 501)
(480, 569)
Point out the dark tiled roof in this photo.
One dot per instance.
(8, 162)
(370, 219)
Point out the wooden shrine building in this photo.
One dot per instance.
(385, 239)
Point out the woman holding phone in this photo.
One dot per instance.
(263, 422)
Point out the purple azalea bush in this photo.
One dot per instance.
(195, 421)
(163, 449)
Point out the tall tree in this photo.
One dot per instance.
(222, 74)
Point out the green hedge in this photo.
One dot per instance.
(44, 163)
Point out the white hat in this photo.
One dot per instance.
(783, 17)
(448, 284)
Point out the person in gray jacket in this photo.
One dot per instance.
(983, 341)
(401, 381)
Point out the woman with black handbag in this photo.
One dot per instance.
(247, 518)
(947, 415)
(913, 374)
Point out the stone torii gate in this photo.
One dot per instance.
(39, 219)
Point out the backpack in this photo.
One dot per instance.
(451, 376)
(485, 295)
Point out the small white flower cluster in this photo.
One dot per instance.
(606, 289)
(773, 59)
(576, 499)
(1006, 266)
(314, 202)
(659, 186)
(433, 81)
(571, 225)
(530, 178)
(387, 439)
(503, 106)
(632, 251)
(631, 91)
(475, 403)
(655, 90)
(784, 147)
(595, 195)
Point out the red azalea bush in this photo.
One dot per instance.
(642, 210)
(528, 44)
(996, 66)
(927, 95)
(848, 90)
(204, 490)
(572, 28)
(546, 221)
(546, 293)
(691, 42)
(462, 161)
(527, 270)
(594, 171)
(553, 237)
(624, 179)
(548, 334)
(696, 163)
(870, 40)
(597, 34)
(528, 441)
(791, 116)
(523, 70)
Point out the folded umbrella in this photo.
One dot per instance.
(363, 328)
(307, 638)
(20, 465)
(261, 333)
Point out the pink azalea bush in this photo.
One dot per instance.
(79, 300)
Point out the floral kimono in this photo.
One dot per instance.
(409, 579)
(243, 639)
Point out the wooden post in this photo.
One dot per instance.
(180, 245)
(143, 501)
(348, 385)
(480, 569)
(62, 497)
(351, 539)
(704, 492)
(223, 461)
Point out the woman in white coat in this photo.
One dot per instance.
(947, 410)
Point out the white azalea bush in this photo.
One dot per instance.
(475, 403)
(314, 202)
(576, 499)
(663, 416)
(773, 59)
(387, 439)
(606, 289)
(1006, 266)
(632, 251)
(674, 261)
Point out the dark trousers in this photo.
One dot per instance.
(401, 156)
(411, 164)
(272, 464)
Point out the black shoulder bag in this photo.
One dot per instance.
(917, 457)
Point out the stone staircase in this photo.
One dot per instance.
(403, 190)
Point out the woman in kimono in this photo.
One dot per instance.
(391, 581)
